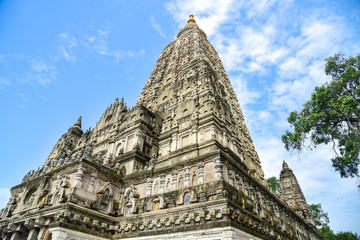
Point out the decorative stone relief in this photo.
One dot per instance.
(104, 201)
(218, 169)
(59, 193)
(79, 177)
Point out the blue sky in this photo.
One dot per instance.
(62, 59)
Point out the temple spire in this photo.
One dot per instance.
(291, 192)
(191, 19)
(284, 165)
(76, 129)
(78, 122)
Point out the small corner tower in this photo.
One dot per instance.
(290, 191)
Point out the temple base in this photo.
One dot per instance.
(224, 233)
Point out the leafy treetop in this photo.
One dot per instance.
(332, 115)
(274, 184)
(321, 221)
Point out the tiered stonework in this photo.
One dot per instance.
(179, 165)
(291, 193)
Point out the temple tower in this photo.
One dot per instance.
(290, 191)
(189, 85)
(180, 164)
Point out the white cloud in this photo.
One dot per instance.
(209, 13)
(40, 72)
(157, 26)
(67, 44)
(244, 95)
(98, 42)
(26, 69)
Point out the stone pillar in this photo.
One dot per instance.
(174, 180)
(109, 154)
(225, 144)
(193, 136)
(186, 176)
(15, 236)
(41, 232)
(174, 142)
(168, 148)
(162, 183)
(233, 148)
(149, 186)
(6, 237)
(79, 177)
(200, 179)
(213, 133)
(201, 136)
(218, 169)
(33, 235)
(139, 139)
(93, 176)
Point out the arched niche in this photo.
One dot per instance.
(187, 196)
(155, 203)
(128, 205)
(29, 197)
(105, 201)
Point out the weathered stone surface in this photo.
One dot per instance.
(179, 164)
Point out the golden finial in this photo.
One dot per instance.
(191, 19)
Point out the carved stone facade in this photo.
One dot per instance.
(291, 193)
(180, 164)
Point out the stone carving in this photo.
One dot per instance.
(59, 193)
(218, 168)
(129, 206)
(31, 200)
(104, 201)
(88, 152)
(185, 141)
(155, 203)
(46, 189)
(10, 207)
(79, 177)
(152, 162)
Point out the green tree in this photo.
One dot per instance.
(327, 233)
(332, 115)
(321, 221)
(321, 218)
(274, 184)
(347, 236)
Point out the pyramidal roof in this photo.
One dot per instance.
(181, 158)
(189, 80)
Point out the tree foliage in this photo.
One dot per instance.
(321, 221)
(321, 218)
(332, 115)
(274, 184)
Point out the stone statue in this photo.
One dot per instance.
(98, 157)
(54, 162)
(152, 162)
(46, 168)
(78, 156)
(61, 160)
(26, 177)
(88, 151)
(32, 174)
(31, 200)
(67, 160)
(73, 157)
